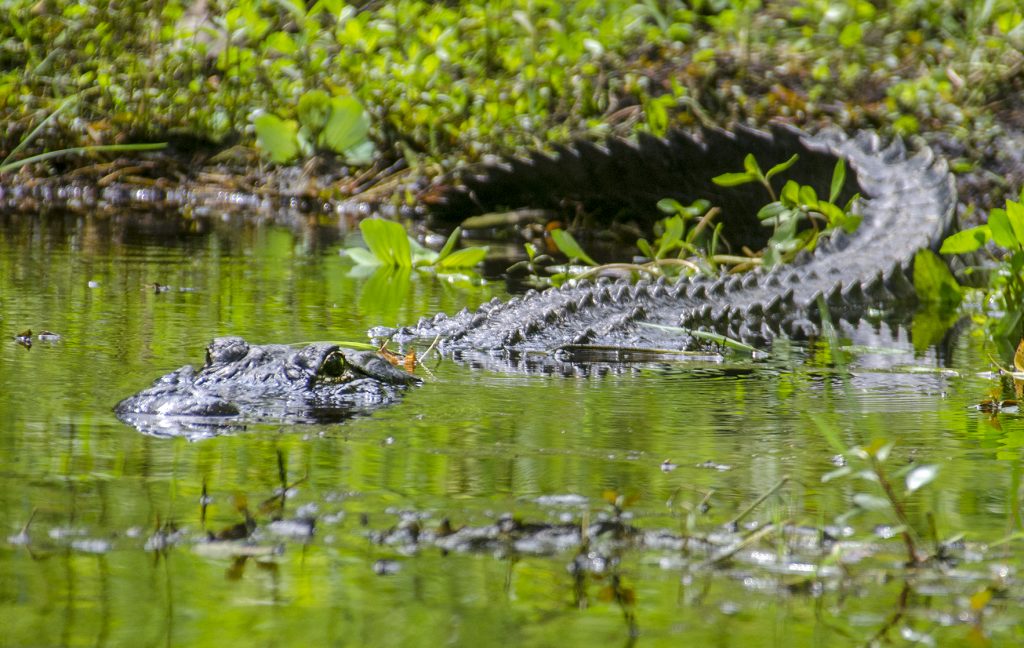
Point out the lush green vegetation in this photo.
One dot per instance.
(447, 82)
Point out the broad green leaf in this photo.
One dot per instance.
(733, 179)
(838, 180)
(779, 168)
(361, 154)
(921, 476)
(808, 196)
(1015, 212)
(313, 109)
(347, 127)
(388, 242)
(934, 282)
(361, 256)
(569, 247)
(464, 258)
(966, 241)
(277, 137)
(1001, 229)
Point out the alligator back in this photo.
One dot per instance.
(908, 203)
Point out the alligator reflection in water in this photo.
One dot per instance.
(242, 383)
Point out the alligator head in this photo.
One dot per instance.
(243, 383)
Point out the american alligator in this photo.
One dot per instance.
(242, 383)
(908, 203)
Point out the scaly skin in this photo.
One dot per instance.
(243, 383)
(908, 204)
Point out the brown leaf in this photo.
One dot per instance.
(1018, 357)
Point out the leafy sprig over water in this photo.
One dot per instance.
(390, 246)
(795, 204)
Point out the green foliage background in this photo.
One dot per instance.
(446, 82)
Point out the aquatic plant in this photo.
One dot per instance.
(795, 204)
(390, 246)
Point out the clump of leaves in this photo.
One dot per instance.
(794, 205)
(866, 463)
(336, 124)
(683, 244)
(390, 246)
(1005, 229)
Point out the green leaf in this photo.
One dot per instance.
(921, 476)
(870, 502)
(464, 258)
(751, 166)
(346, 129)
(673, 234)
(569, 247)
(1001, 229)
(779, 168)
(313, 109)
(966, 241)
(388, 242)
(808, 196)
(838, 180)
(934, 282)
(790, 196)
(834, 215)
(771, 211)
(670, 206)
(733, 179)
(1015, 211)
(645, 248)
(449, 245)
(830, 433)
(361, 256)
(277, 137)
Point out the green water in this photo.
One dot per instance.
(468, 446)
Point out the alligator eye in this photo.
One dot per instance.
(333, 365)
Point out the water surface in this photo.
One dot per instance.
(468, 446)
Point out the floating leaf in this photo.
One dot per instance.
(388, 242)
(465, 258)
(921, 476)
(277, 137)
(569, 247)
(449, 245)
(361, 256)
